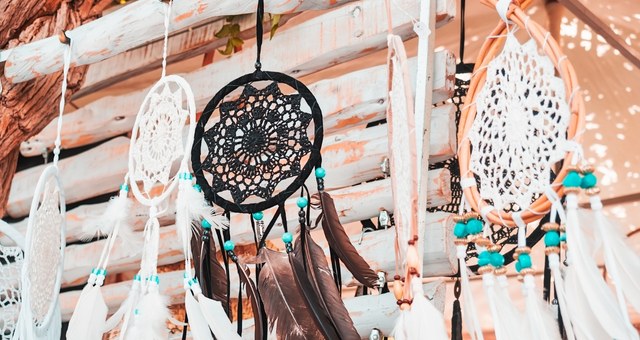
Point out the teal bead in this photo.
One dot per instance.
(258, 215)
(497, 260)
(460, 230)
(197, 187)
(137, 277)
(552, 238)
(563, 237)
(484, 258)
(302, 202)
(524, 260)
(320, 172)
(205, 224)
(518, 267)
(572, 180)
(124, 187)
(474, 226)
(228, 245)
(589, 180)
(287, 237)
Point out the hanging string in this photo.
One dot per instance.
(68, 44)
(462, 30)
(259, 33)
(165, 48)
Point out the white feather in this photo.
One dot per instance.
(621, 261)
(469, 313)
(197, 323)
(567, 311)
(125, 311)
(217, 319)
(150, 321)
(539, 318)
(422, 318)
(506, 318)
(90, 315)
(585, 285)
(117, 212)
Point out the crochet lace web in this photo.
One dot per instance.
(11, 259)
(44, 257)
(520, 126)
(160, 139)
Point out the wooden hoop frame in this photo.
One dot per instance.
(489, 50)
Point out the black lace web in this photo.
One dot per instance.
(260, 141)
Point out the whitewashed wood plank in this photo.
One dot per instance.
(114, 115)
(352, 204)
(354, 155)
(144, 22)
(94, 172)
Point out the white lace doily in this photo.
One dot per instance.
(44, 252)
(11, 260)
(520, 127)
(160, 139)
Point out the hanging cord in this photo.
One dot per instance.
(65, 71)
(167, 16)
(456, 316)
(462, 30)
(259, 33)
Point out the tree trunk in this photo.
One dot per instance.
(28, 107)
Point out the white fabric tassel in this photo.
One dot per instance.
(599, 317)
(117, 212)
(542, 325)
(567, 311)
(469, 313)
(506, 319)
(151, 316)
(621, 261)
(423, 318)
(215, 315)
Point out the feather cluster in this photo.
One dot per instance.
(116, 213)
(149, 319)
(423, 318)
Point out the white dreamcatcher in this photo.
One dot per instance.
(159, 142)
(41, 272)
(11, 261)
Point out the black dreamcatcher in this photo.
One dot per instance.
(256, 144)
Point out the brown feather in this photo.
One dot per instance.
(217, 277)
(252, 293)
(325, 288)
(283, 301)
(341, 245)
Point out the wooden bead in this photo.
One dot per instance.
(593, 191)
(458, 218)
(526, 250)
(412, 257)
(552, 250)
(485, 269)
(494, 248)
(587, 169)
(397, 289)
(460, 241)
(550, 226)
(571, 190)
(483, 242)
(471, 215)
(500, 271)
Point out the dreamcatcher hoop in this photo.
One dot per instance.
(144, 196)
(489, 50)
(49, 177)
(314, 159)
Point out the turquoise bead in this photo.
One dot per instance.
(563, 237)
(302, 202)
(524, 260)
(205, 224)
(552, 238)
(572, 180)
(484, 258)
(287, 237)
(518, 267)
(124, 187)
(137, 277)
(228, 245)
(321, 172)
(258, 215)
(460, 230)
(474, 226)
(497, 260)
(589, 180)
(197, 187)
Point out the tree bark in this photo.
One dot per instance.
(26, 108)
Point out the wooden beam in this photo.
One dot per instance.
(145, 18)
(355, 155)
(367, 311)
(353, 204)
(94, 172)
(347, 101)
